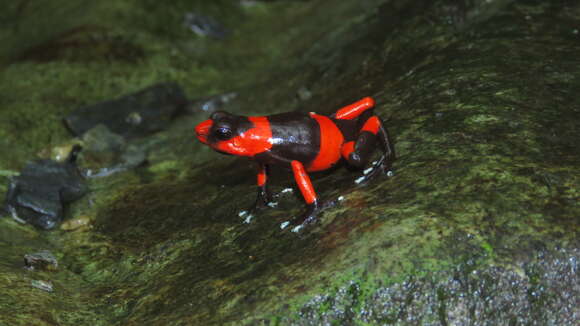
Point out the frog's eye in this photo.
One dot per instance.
(223, 133)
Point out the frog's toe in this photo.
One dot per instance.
(246, 215)
(308, 217)
(258, 206)
(368, 175)
(379, 167)
(298, 227)
(297, 224)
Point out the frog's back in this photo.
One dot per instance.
(295, 136)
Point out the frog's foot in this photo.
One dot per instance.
(309, 216)
(247, 215)
(283, 192)
(261, 203)
(372, 172)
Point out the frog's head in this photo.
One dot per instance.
(221, 126)
(235, 135)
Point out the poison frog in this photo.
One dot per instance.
(303, 142)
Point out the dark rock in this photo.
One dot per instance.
(38, 194)
(106, 153)
(133, 115)
(101, 146)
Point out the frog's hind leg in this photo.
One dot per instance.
(354, 110)
(358, 152)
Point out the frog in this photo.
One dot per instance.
(303, 142)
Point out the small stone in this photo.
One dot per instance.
(58, 153)
(303, 93)
(107, 153)
(204, 26)
(42, 285)
(211, 103)
(43, 260)
(79, 223)
(134, 118)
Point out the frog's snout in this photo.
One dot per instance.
(202, 130)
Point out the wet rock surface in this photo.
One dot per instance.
(541, 291)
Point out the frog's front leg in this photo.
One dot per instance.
(264, 198)
(305, 185)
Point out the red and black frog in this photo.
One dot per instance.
(303, 142)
